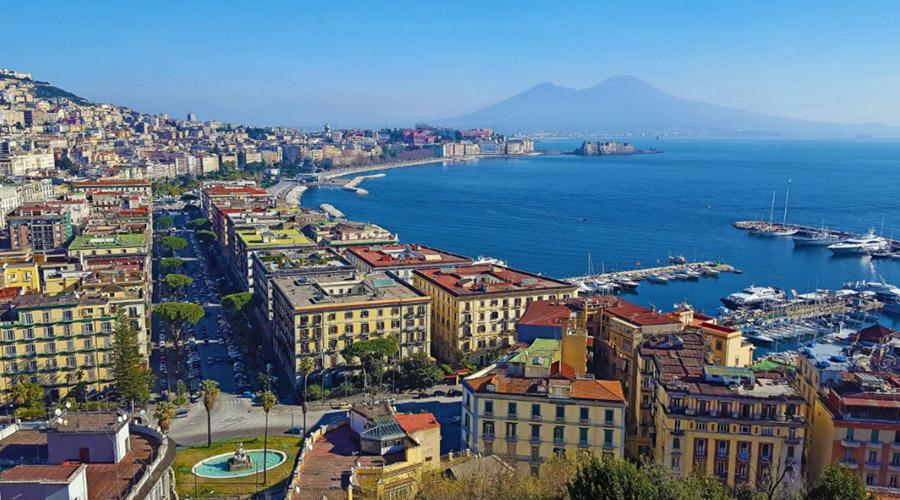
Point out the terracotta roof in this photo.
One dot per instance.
(114, 182)
(639, 315)
(415, 422)
(408, 255)
(225, 191)
(589, 389)
(874, 333)
(546, 313)
(483, 279)
(40, 473)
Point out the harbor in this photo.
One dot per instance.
(677, 269)
(838, 242)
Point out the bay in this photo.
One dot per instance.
(545, 214)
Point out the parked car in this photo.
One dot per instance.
(454, 393)
(295, 430)
(181, 413)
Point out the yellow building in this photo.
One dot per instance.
(476, 307)
(533, 405)
(58, 341)
(317, 316)
(723, 422)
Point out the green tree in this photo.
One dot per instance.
(132, 377)
(837, 483)
(238, 303)
(181, 389)
(315, 392)
(371, 355)
(173, 243)
(305, 367)
(178, 315)
(267, 401)
(28, 394)
(206, 236)
(164, 222)
(171, 263)
(419, 371)
(199, 223)
(610, 479)
(209, 389)
(164, 414)
(178, 282)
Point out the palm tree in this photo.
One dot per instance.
(210, 391)
(305, 367)
(268, 401)
(165, 412)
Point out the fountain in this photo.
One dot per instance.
(240, 461)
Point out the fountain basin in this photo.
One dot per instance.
(216, 467)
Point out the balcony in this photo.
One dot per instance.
(850, 443)
(584, 421)
(535, 417)
(535, 440)
(558, 440)
(678, 432)
(895, 446)
(872, 465)
(512, 438)
(894, 466)
(488, 436)
(849, 463)
(583, 443)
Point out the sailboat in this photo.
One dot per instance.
(762, 231)
(783, 230)
(820, 238)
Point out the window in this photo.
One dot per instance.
(765, 451)
(849, 434)
(511, 410)
(487, 428)
(610, 417)
(700, 447)
(722, 448)
(870, 479)
(535, 432)
(559, 434)
(874, 436)
(873, 457)
(892, 482)
(676, 461)
(583, 435)
(510, 429)
(488, 408)
(608, 437)
(488, 447)
(535, 452)
(560, 412)
(895, 459)
(790, 452)
(536, 412)
(583, 414)
(676, 443)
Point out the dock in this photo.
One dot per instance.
(351, 185)
(331, 211)
(802, 230)
(705, 268)
(796, 311)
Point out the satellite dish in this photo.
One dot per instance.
(68, 405)
(57, 412)
(119, 419)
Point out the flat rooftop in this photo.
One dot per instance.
(485, 279)
(290, 259)
(263, 238)
(345, 289)
(131, 240)
(498, 381)
(401, 256)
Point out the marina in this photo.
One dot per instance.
(838, 242)
(679, 269)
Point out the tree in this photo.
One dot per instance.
(132, 376)
(238, 303)
(419, 371)
(178, 282)
(837, 483)
(178, 315)
(371, 354)
(315, 392)
(611, 479)
(173, 243)
(181, 389)
(171, 263)
(267, 401)
(164, 222)
(164, 414)
(305, 367)
(26, 393)
(206, 236)
(199, 223)
(209, 389)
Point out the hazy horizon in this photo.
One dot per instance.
(368, 64)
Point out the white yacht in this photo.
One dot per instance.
(753, 296)
(817, 239)
(860, 245)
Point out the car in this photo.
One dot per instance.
(453, 393)
(340, 406)
(439, 393)
(181, 413)
(194, 397)
(294, 430)
(248, 395)
(423, 395)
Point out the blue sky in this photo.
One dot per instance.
(371, 63)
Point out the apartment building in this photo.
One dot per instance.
(533, 405)
(402, 259)
(347, 234)
(317, 317)
(250, 240)
(58, 341)
(856, 423)
(41, 228)
(476, 307)
(725, 422)
(114, 244)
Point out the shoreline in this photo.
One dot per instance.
(416, 163)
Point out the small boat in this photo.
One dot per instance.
(627, 284)
(692, 274)
(753, 296)
(817, 239)
(681, 275)
(658, 278)
(710, 271)
(759, 338)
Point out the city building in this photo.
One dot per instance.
(725, 422)
(531, 405)
(403, 259)
(84, 456)
(346, 233)
(317, 317)
(250, 240)
(856, 423)
(41, 228)
(476, 307)
(115, 244)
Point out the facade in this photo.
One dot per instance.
(58, 341)
(132, 186)
(856, 424)
(476, 307)
(729, 423)
(250, 240)
(534, 405)
(42, 229)
(84, 246)
(402, 259)
(317, 317)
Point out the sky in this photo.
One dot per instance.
(371, 63)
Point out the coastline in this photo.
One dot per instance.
(416, 163)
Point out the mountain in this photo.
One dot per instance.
(625, 104)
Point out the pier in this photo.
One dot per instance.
(755, 225)
(675, 270)
(331, 211)
(796, 311)
(351, 185)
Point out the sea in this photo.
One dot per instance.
(555, 214)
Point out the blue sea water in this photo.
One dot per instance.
(546, 214)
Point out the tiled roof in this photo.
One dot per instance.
(414, 422)
(40, 473)
(546, 313)
(587, 389)
(482, 279)
(385, 256)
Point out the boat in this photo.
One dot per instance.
(710, 271)
(753, 296)
(658, 278)
(482, 260)
(759, 338)
(860, 245)
(892, 309)
(627, 284)
(781, 230)
(816, 239)
(883, 291)
(692, 274)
